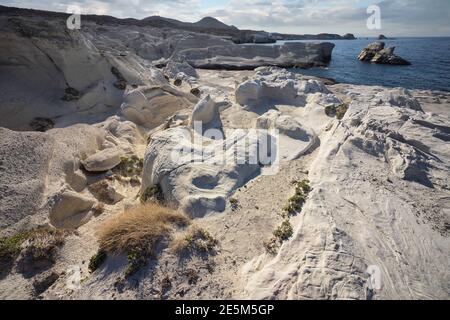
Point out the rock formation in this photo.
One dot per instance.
(235, 57)
(377, 53)
(110, 127)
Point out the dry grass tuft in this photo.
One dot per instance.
(141, 226)
(195, 240)
(138, 231)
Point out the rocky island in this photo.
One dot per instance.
(130, 168)
(377, 53)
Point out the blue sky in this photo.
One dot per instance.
(398, 17)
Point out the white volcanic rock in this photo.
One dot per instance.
(103, 160)
(151, 106)
(275, 86)
(198, 187)
(173, 70)
(70, 209)
(242, 57)
(202, 187)
(380, 183)
(35, 167)
(293, 139)
(399, 97)
(206, 114)
(254, 91)
(313, 86)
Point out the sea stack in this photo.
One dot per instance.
(377, 53)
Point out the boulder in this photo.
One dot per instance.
(103, 160)
(151, 106)
(70, 209)
(207, 113)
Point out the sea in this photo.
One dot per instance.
(430, 69)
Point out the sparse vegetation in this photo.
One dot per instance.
(97, 260)
(129, 167)
(30, 246)
(195, 240)
(152, 193)
(71, 94)
(284, 231)
(296, 202)
(138, 231)
(10, 248)
(281, 233)
(196, 92)
(100, 190)
(341, 111)
(294, 206)
(338, 111)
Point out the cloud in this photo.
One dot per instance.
(399, 17)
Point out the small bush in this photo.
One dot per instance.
(284, 231)
(129, 167)
(138, 231)
(152, 193)
(41, 242)
(97, 260)
(338, 111)
(341, 111)
(10, 248)
(195, 240)
(296, 202)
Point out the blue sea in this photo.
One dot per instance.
(430, 69)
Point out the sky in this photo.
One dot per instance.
(397, 17)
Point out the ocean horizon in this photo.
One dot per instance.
(429, 69)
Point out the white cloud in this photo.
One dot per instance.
(399, 17)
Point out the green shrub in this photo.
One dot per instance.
(130, 167)
(296, 202)
(97, 260)
(284, 231)
(42, 243)
(152, 193)
(341, 111)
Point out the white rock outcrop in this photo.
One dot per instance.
(206, 115)
(151, 106)
(239, 57)
(380, 183)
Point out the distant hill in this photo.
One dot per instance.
(213, 23)
(207, 25)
